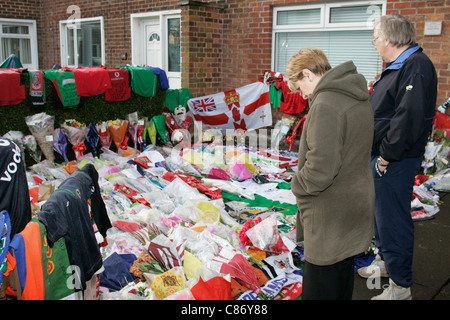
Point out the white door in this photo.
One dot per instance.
(156, 43)
(153, 45)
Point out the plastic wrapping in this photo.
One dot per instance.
(217, 173)
(76, 132)
(92, 138)
(159, 200)
(104, 135)
(183, 294)
(170, 254)
(41, 126)
(60, 143)
(166, 284)
(238, 170)
(133, 291)
(133, 123)
(207, 213)
(178, 164)
(265, 236)
(121, 242)
(180, 192)
(236, 265)
(280, 131)
(228, 186)
(118, 129)
(191, 264)
(440, 181)
(188, 212)
(210, 285)
(199, 244)
(17, 138)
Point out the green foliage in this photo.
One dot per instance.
(96, 109)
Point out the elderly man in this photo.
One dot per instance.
(404, 101)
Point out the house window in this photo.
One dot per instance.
(342, 30)
(19, 37)
(173, 45)
(82, 42)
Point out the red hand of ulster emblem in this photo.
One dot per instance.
(232, 101)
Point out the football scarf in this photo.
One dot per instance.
(37, 88)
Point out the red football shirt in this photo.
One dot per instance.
(90, 81)
(12, 90)
(291, 102)
(120, 85)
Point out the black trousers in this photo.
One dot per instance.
(333, 282)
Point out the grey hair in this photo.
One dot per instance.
(397, 29)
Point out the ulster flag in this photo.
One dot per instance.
(247, 108)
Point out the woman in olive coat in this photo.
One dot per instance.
(334, 183)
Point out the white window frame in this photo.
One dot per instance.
(353, 25)
(324, 25)
(165, 35)
(73, 23)
(137, 48)
(297, 27)
(32, 35)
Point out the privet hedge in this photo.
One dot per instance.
(95, 110)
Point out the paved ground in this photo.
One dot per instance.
(431, 264)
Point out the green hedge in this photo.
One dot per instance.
(95, 110)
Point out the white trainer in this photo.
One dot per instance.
(376, 268)
(394, 292)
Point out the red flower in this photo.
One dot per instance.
(248, 225)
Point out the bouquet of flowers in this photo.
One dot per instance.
(76, 132)
(41, 126)
(136, 290)
(133, 123)
(250, 223)
(17, 138)
(60, 143)
(265, 235)
(229, 261)
(29, 142)
(93, 138)
(103, 133)
(118, 130)
(146, 263)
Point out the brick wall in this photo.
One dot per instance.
(436, 47)
(202, 48)
(20, 9)
(225, 43)
(248, 37)
(117, 27)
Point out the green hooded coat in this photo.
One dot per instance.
(334, 184)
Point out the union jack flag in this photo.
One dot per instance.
(204, 104)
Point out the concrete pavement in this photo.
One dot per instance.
(431, 264)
